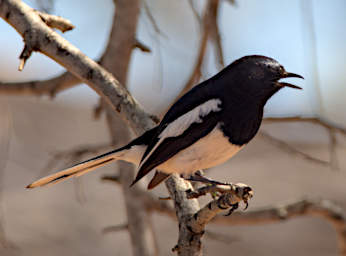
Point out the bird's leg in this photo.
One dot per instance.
(198, 177)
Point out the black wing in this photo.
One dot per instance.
(193, 98)
(172, 145)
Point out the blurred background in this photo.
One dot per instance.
(306, 37)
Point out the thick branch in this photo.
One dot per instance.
(189, 242)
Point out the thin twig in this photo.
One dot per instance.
(117, 228)
(152, 19)
(141, 46)
(214, 27)
(282, 145)
(111, 178)
(196, 71)
(314, 120)
(195, 12)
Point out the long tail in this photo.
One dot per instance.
(79, 169)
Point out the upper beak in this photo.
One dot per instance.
(287, 74)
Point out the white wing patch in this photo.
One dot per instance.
(181, 124)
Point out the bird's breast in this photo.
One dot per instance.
(207, 152)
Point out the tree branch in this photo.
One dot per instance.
(331, 128)
(324, 209)
(120, 46)
(230, 197)
(291, 150)
(49, 87)
(314, 120)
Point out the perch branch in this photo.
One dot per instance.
(324, 209)
(231, 196)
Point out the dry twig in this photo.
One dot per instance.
(331, 128)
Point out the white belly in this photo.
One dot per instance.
(207, 152)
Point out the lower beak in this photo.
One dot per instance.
(286, 75)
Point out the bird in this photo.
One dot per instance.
(204, 128)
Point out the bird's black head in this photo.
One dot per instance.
(258, 76)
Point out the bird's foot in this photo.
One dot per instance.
(225, 196)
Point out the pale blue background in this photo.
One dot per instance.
(308, 37)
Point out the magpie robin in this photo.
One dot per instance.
(204, 128)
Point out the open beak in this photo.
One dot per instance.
(286, 75)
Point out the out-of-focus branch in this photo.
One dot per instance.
(282, 145)
(324, 209)
(195, 12)
(208, 16)
(331, 128)
(5, 138)
(73, 156)
(215, 34)
(141, 46)
(120, 46)
(55, 85)
(152, 19)
(116, 228)
(313, 120)
(44, 87)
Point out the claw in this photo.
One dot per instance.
(246, 205)
(234, 207)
